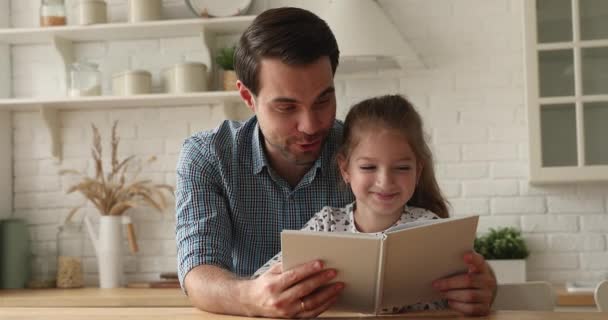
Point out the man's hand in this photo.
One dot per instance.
(471, 293)
(302, 292)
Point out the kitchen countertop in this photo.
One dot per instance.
(170, 297)
(194, 314)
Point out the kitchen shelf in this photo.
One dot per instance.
(126, 31)
(62, 39)
(50, 107)
(116, 102)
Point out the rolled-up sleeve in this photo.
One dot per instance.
(203, 227)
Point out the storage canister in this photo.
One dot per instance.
(52, 13)
(131, 82)
(144, 10)
(185, 77)
(85, 79)
(70, 240)
(92, 12)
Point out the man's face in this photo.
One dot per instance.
(296, 108)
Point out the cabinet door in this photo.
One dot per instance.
(596, 133)
(567, 89)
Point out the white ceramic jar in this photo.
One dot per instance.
(92, 12)
(185, 77)
(131, 82)
(144, 10)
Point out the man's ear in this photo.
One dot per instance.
(246, 95)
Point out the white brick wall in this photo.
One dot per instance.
(5, 85)
(5, 77)
(518, 205)
(471, 97)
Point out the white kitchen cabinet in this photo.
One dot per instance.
(567, 89)
(62, 39)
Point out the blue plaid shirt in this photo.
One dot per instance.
(230, 204)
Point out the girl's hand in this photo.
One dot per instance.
(471, 293)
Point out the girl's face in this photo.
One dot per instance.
(382, 172)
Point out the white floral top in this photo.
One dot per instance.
(331, 219)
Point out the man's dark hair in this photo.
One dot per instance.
(293, 35)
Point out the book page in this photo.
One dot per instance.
(414, 224)
(415, 257)
(354, 256)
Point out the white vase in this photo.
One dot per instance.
(108, 246)
(509, 271)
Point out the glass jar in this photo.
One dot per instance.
(52, 13)
(44, 267)
(85, 79)
(70, 242)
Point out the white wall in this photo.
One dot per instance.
(4, 13)
(471, 97)
(4, 51)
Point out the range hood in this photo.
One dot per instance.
(367, 38)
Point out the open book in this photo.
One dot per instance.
(390, 270)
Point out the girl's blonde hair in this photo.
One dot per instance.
(395, 112)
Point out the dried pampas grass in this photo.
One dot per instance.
(113, 193)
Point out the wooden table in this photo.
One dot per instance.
(94, 297)
(136, 297)
(194, 314)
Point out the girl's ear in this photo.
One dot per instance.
(343, 165)
(419, 172)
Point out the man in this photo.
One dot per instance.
(241, 184)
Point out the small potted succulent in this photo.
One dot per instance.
(505, 250)
(225, 59)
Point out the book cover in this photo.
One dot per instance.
(386, 271)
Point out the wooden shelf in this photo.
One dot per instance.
(115, 102)
(124, 31)
(62, 39)
(49, 108)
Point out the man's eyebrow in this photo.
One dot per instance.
(330, 89)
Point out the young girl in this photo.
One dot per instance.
(388, 165)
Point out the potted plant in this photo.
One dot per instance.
(112, 192)
(225, 59)
(505, 250)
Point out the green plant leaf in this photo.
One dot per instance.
(225, 58)
(502, 243)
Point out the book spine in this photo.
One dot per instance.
(380, 276)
